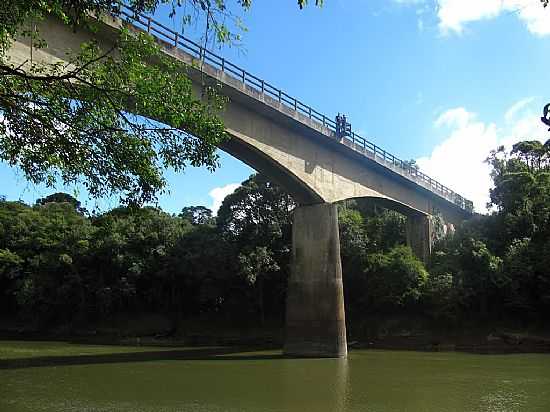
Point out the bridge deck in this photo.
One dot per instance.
(267, 93)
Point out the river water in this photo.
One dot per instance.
(47, 376)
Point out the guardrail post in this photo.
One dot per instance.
(279, 96)
(149, 25)
(176, 40)
(263, 86)
(223, 64)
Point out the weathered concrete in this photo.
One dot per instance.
(315, 319)
(420, 236)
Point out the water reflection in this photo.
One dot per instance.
(94, 379)
(315, 385)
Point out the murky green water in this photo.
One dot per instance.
(42, 376)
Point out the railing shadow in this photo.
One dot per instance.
(218, 354)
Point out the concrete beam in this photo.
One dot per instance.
(315, 318)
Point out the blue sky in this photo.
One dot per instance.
(440, 81)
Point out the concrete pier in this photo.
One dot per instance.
(315, 319)
(419, 236)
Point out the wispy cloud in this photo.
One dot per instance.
(455, 15)
(517, 108)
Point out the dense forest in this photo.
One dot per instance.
(63, 267)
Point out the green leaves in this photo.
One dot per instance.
(112, 120)
(396, 278)
(113, 124)
(256, 263)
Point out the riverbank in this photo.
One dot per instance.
(491, 344)
(405, 333)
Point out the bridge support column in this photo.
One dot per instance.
(315, 319)
(419, 236)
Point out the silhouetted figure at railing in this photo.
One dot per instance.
(343, 128)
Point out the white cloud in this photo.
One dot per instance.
(458, 117)
(219, 193)
(459, 160)
(454, 15)
(537, 20)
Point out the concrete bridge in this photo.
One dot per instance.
(306, 153)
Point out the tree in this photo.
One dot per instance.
(197, 215)
(60, 197)
(522, 197)
(75, 125)
(72, 122)
(256, 265)
(257, 219)
(257, 210)
(201, 274)
(522, 188)
(130, 250)
(44, 250)
(395, 279)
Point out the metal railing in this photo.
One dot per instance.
(353, 140)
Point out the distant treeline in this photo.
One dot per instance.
(60, 265)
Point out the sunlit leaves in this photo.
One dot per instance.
(112, 123)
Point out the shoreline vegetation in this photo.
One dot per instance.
(488, 345)
(143, 273)
(479, 340)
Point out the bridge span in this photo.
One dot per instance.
(306, 153)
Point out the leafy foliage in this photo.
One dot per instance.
(80, 128)
(197, 215)
(112, 119)
(67, 267)
(499, 263)
(396, 279)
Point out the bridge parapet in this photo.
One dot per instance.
(227, 72)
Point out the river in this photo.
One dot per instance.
(56, 376)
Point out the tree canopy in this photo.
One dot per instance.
(60, 266)
(109, 119)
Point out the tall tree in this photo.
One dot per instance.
(61, 197)
(257, 219)
(198, 215)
